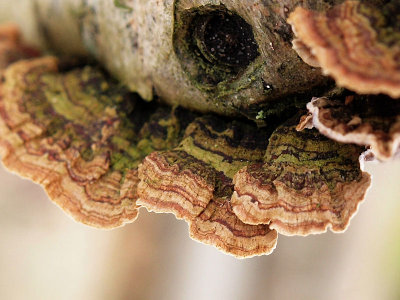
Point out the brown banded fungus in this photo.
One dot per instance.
(371, 121)
(357, 43)
(70, 132)
(229, 153)
(305, 184)
(194, 182)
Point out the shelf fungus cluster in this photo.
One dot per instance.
(226, 143)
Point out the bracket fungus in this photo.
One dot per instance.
(194, 181)
(371, 121)
(219, 140)
(305, 184)
(356, 43)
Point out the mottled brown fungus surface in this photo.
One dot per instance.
(306, 184)
(70, 132)
(82, 136)
(194, 182)
(357, 43)
(101, 152)
(372, 121)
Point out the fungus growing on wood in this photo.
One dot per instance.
(71, 133)
(356, 43)
(371, 121)
(101, 152)
(306, 184)
(82, 136)
(194, 182)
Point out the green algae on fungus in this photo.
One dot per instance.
(295, 182)
(305, 184)
(69, 131)
(239, 178)
(194, 182)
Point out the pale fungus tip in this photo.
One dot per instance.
(366, 120)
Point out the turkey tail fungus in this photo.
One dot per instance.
(200, 110)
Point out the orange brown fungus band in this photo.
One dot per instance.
(306, 184)
(194, 182)
(68, 132)
(353, 43)
(51, 159)
(371, 121)
(100, 152)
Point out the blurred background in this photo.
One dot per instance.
(44, 254)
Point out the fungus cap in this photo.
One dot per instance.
(353, 43)
(371, 121)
